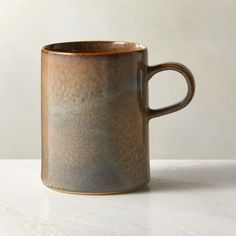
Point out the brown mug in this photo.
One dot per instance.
(95, 115)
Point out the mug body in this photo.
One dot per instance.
(94, 123)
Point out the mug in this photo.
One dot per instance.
(95, 115)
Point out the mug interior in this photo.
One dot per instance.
(94, 47)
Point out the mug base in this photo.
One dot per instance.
(97, 193)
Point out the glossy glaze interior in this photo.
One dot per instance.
(94, 47)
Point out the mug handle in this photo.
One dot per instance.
(151, 70)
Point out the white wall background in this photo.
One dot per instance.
(198, 33)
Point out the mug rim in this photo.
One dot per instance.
(135, 48)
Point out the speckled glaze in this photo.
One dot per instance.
(95, 115)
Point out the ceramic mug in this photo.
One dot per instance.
(95, 115)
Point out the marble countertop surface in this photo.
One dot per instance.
(183, 198)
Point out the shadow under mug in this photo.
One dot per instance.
(95, 115)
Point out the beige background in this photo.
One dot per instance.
(200, 34)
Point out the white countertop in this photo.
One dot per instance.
(183, 198)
